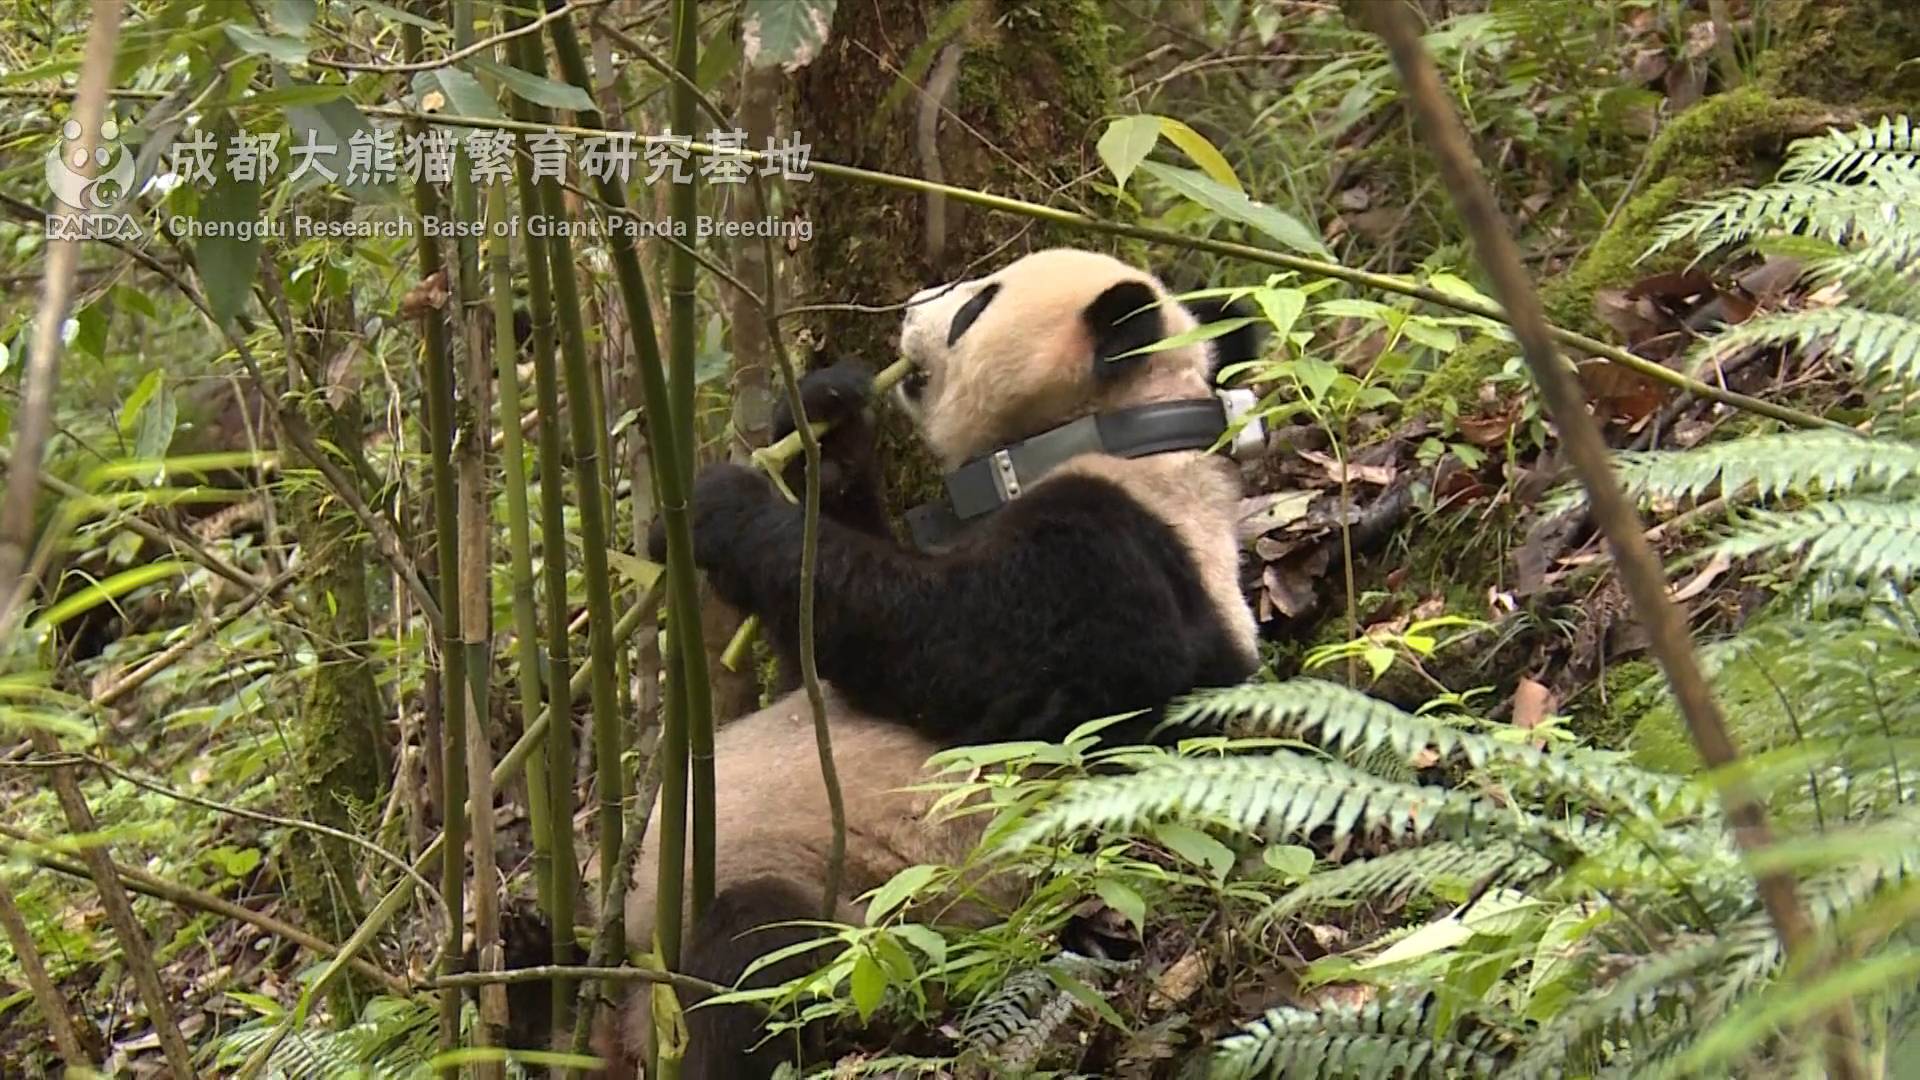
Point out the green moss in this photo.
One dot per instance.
(1733, 138)
(1457, 381)
(1853, 53)
(1610, 713)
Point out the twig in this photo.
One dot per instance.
(33, 420)
(1639, 567)
(158, 788)
(460, 53)
(544, 972)
(37, 850)
(53, 1007)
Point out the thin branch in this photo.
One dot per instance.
(158, 788)
(53, 1007)
(1639, 567)
(37, 850)
(464, 51)
(33, 421)
(544, 972)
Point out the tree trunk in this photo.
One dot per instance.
(340, 748)
(1023, 86)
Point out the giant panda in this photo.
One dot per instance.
(1084, 566)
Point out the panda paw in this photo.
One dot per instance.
(725, 499)
(830, 394)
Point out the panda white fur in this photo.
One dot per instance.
(1109, 584)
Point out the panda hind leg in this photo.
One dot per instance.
(727, 1042)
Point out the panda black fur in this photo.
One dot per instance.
(1110, 585)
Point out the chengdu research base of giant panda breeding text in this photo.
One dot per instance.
(1083, 565)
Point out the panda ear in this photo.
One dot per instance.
(1234, 346)
(1124, 318)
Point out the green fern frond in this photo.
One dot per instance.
(1859, 537)
(1348, 722)
(1793, 463)
(1878, 344)
(1655, 984)
(1878, 273)
(1390, 1038)
(1409, 871)
(1844, 155)
(1827, 209)
(1274, 795)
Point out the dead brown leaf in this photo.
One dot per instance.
(1179, 982)
(1378, 475)
(429, 295)
(1700, 582)
(1532, 704)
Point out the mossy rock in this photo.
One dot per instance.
(1847, 52)
(1730, 139)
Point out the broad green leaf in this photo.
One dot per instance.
(1123, 899)
(787, 33)
(1235, 206)
(293, 16)
(868, 984)
(900, 888)
(535, 88)
(1203, 153)
(90, 331)
(142, 390)
(1282, 308)
(112, 588)
(926, 939)
(1495, 913)
(464, 94)
(228, 263)
(1085, 995)
(278, 47)
(1458, 288)
(154, 432)
(334, 123)
(1290, 860)
(1196, 847)
(1438, 338)
(1126, 143)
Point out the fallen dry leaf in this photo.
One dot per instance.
(1532, 704)
(1179, 982)
(1378, 475)
(1699, 582)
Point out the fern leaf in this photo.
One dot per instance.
(1844, 155)
(1858, 537)
(1408, 871)
(1348, 722)
(1879, 344)
(1391, 1038)
(1823, 208)
(1794, 463)
(1274, 795)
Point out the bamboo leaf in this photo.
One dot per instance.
(228, 262)
(1204, 154)
(278, 47)
(112, 588)
(1126, 143)
(786, 33)
(1236, 206)
(535, 88)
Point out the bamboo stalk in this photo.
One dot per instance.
(671, 448)
(609, 782)
(453, 676)
(553, 540)
(476, 583)
(53, 1007)
(681, 316)
(526, 627)
(1638, 566)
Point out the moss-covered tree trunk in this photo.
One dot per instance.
(340, 747)
(1022, 84)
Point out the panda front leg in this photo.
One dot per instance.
(850, 487)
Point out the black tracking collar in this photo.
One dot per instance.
(993, 480)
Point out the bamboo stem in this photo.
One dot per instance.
(452, 650)
(476, 584)
(1639, 568)
(530, 57)
(680, 342)
(671, 448)
(609, 780)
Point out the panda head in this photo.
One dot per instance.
(1050, 338)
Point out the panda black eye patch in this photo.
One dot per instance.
(970, 311)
